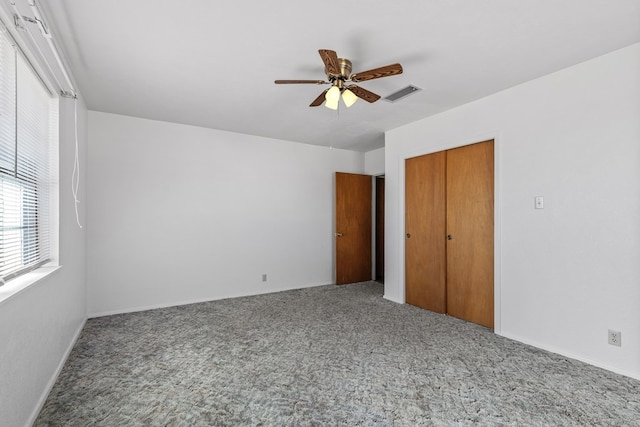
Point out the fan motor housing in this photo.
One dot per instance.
(345, 70)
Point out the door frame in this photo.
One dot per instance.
(497, 209)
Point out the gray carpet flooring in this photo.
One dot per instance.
(337, 356)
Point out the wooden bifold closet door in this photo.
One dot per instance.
(449, 232)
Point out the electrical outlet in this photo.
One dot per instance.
(264, 277)
(615, 338)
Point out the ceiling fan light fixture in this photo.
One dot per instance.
(332, 103)
(333, 94)
(338, 72)
(332, 98)
(349, 98)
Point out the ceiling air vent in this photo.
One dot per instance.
(402, 93)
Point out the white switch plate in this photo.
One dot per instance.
(539, 202)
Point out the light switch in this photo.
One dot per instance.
(539, 202)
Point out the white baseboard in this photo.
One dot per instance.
(197, 301)
(392, 299)
(572, 356)
(52, 381)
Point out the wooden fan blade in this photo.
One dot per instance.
(330, 59)
(319, 100)
(376, 73)
(290, 82)
(363, 93)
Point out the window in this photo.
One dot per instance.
(27, 129)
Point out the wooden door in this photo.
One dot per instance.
(470, 183)
(425, 265)
(353, 228)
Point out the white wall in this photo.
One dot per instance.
(180, 214)
(568, 273)
(374, 162)
(39, 325)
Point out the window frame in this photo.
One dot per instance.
(30, 272)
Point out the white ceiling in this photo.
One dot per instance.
(212, 63)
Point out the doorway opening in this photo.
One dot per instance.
(359, 228)
(379, 229)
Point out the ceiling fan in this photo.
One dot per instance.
(339, 76)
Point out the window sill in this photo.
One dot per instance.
(19, 284)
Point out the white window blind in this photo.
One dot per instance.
(25, 182)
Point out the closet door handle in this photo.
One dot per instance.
(449, 237)
(408, 235)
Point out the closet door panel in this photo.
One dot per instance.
(425, 265)
(469, 207)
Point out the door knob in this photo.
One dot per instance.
(408, 235)
(338, 234)
(449, 237)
